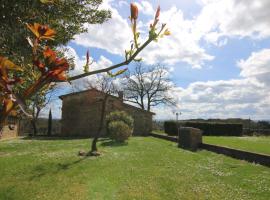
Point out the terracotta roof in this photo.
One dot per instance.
(84, 91)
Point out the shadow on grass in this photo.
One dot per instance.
(42, 137)
(52, 138)
(112, 143)
(47, 169)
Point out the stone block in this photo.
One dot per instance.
(189, 138)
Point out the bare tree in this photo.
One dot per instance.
(39, 101)
(104, 84)
(148, 87)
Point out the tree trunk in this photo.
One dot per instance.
(2, 123)
(34, 126)
(1, 129)
(97, 135)
(142, 103)
(148, 105)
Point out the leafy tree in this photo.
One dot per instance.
(53, 68)
(66, 17)
(148, 87)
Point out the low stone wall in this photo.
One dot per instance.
(234, 153)
(239, 154)
(165, 137)
(42, 127)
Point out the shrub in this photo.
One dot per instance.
(218, 129)
(215, 129)
(119, 125)
(120, 116)
(170, 127)
(119, 130)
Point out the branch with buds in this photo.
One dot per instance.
(136, 48)
(54, 69)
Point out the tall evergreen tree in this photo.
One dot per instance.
(49, 133)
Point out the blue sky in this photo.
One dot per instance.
(218, 55)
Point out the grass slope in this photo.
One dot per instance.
(146, 168)
(252, 144)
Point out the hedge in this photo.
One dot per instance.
(214, 129)
(170, 127)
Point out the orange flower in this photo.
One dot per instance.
(49, 54)
(42, 31)
(8, 104)
(39, 65)
(5, 65)
(134, 11)
(5, 82)
(58, 72)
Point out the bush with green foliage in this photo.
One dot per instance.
(120, 116)
(119, 125)
(215, 129)
(119, 131)
(170, 127)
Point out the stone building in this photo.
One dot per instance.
(10, 130)
(81, 112)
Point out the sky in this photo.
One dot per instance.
(218, 55)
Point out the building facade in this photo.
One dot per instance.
(81, 113)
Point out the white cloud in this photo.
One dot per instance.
(103, 62)
(240, 18)
(180, 46)
(217, 21)
(257, 65)
(146, 8)
(245, 97)
(113, 35)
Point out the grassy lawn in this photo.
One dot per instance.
(146, 168)
(161, 132)
(252, 144)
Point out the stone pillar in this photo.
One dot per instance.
(189, 138)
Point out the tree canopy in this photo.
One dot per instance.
(66, 17)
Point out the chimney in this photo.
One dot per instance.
(121, 95)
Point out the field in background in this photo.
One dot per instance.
(253, 144)
(146, 168)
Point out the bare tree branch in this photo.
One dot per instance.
(148, 87)
(131, 58)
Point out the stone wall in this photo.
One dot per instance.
(238, 154)
(81, 114)
(42, 127)
(7, 133)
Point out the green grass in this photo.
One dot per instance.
(252, 144)
(159, 132)
(146, 168)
